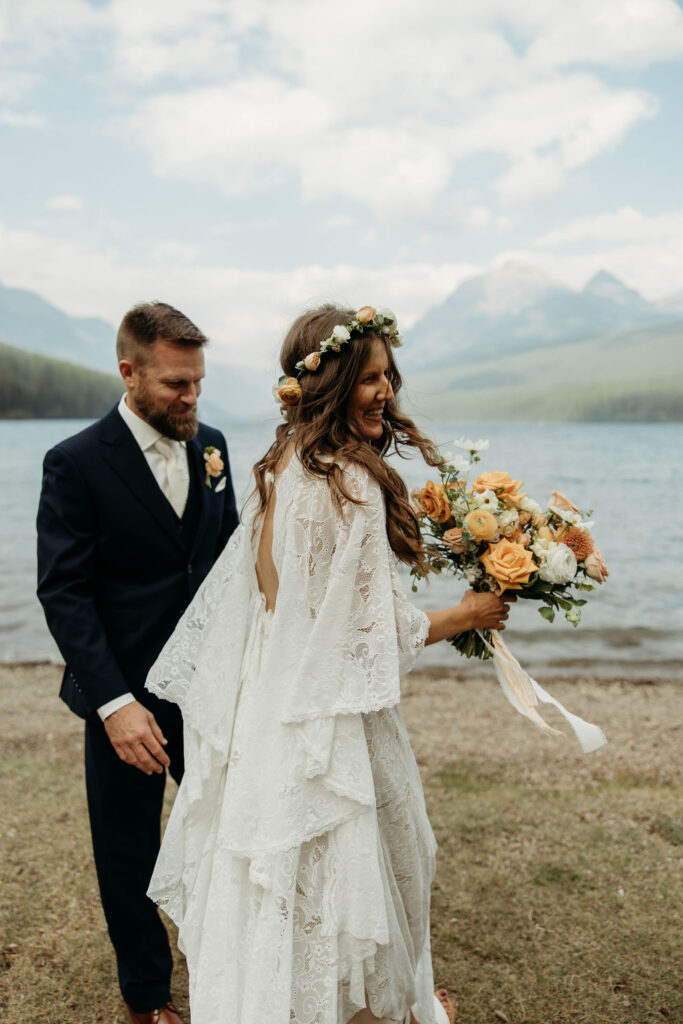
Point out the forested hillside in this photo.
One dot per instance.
(36, 387)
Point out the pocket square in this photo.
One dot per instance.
(221, 484)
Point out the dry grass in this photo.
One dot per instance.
(558, 893)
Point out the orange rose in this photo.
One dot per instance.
(454, 539)
(501, 484)
(481, 524)
(596, 566)
(433, 500)
(558, 500)
(289, 393)
(312, 361)
(365, 314)
(510, 564)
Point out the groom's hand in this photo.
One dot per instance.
(136, 738)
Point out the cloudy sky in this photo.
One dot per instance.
(244, 160)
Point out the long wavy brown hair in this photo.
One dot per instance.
(318, 426)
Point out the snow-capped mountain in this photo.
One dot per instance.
(515, 307)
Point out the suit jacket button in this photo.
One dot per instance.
(189, 569)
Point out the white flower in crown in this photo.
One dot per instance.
(387, 315)
(340, 335)
(471, 446)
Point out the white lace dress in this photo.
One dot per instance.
(298, 858)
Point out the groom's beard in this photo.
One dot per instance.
(179, 426)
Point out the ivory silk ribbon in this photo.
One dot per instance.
(524, 693)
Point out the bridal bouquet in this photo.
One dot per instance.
(499, 539)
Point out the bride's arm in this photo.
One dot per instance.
(475, 611)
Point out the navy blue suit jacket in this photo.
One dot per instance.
(115, 572)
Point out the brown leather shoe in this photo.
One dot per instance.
(165, 1015)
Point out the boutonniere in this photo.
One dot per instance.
(213, 464)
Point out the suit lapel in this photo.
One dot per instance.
(122, 453)
(198, 473)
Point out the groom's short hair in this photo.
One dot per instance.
(149, 322)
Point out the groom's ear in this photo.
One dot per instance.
(126, 370)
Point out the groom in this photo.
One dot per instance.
(133, 513)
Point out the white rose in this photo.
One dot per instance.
(508, 522)
(341, 333)
(387, 315)
(560, 565)
(541, 548)
(485, 499)
(529, 505)
(471, 446)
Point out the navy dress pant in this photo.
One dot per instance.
(125, 819)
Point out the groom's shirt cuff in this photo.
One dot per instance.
(114, 705)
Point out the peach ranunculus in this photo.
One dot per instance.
(365, 314)
(580, 541)
(454, 539)
(502, 485)
(481, 524)
(312, 361)
(558, 500)
(434, 502)
(510, 564)
(545, 533)
(289, 391)
(596, 566)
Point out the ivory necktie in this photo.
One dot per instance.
(175, 482)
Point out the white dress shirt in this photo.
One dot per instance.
(175, 491)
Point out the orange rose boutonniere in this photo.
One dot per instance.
(213, 464)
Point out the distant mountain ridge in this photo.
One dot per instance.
(29, 322)
(515, 308)
(606, 352)
(32, 323)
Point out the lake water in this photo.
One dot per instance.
(630, 474)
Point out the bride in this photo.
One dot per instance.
(298, 858)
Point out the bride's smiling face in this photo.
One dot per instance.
(371, 392)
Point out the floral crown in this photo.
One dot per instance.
(382, 321)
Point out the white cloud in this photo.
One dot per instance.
(624, 224)
(20, 119)
(386, 128)
(65, 202)
(241, 136)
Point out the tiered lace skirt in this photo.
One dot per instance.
(298, 865)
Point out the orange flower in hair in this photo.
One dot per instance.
(365, 314)
(289, 392)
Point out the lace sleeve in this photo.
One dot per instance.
(412, 625)
(346, 629)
